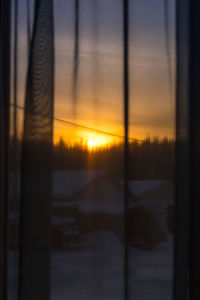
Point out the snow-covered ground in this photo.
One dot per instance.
(97, 273)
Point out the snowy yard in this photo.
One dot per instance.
(97, 272)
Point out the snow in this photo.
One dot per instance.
(140, 187)
(97, 272)
(72, 232)
(62, 221)
(64, 204)
(67, 183)
(153, 190)
(109, 208)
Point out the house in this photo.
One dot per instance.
(67, 183)
(93, 201)
(99, 205)
(156, 195)
(88, 192)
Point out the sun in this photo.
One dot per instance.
(93, 144)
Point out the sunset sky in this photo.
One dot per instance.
(99, 103)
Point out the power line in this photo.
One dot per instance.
(88, 128)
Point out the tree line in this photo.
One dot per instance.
(148, 159)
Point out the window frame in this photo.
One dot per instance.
(187, 215)
(5, 10)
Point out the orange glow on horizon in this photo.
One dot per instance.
(94, 141)
(94, 144)
(88, 139)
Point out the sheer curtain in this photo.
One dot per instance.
(92, 149)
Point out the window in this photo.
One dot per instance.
(102, 164)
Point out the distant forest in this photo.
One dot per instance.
(149, 159)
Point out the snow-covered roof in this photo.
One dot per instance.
(65, 183)
(63, 203)
(141, 188)
(112, 207)
(62, 221)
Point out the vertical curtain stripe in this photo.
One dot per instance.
(76, 49)
(182, 160)
(36, 181)
(126, 151)
(4, 138)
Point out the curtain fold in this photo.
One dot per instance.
(4, 139)
(37, 159)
